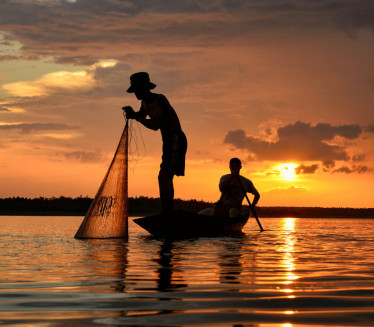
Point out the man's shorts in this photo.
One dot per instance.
(174, 150)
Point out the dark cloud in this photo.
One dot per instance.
(304, 169)
(360, 169)
(298, 141)
(36, 127)
(8, 58)
(85, 60)
(85, 156)
(90, 27)
(328, 164)
(111, 81)
(2, 109)
(370, 129)
(354, 169)
(321, 132)
(351, 16)
(358, 157)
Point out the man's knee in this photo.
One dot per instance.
(165, 181)
(163, 174)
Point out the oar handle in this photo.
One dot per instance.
(250, 204)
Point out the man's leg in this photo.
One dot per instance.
(165, 182)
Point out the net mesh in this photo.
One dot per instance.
(107, 216)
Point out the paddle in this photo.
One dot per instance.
(250, 205)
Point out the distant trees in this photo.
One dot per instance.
(66, 206)
(62, 206)
(139, 206)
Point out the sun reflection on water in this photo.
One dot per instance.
(288, 256)
(288, 259)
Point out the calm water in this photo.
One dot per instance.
(300, 272)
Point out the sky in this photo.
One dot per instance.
(286, 86)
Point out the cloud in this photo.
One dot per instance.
(3, 109)
(287, 190)
(84, 30)
(304, 169)
(85, 156)
(354, 169)
(369, 129)
(299, 141)
(27, 128)
(52, 82)
(358, 157)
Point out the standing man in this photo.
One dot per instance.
(157, 113)
(233, 188)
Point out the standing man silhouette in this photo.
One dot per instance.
(156, 113)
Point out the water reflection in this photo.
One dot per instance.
(237, 261)
(288, 260)
(169, 265)
(232, 260)
(230, 263)
(107, 260)
(50, 278)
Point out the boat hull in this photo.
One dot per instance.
(184, 224)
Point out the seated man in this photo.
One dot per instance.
(233, 188)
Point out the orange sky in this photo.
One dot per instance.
(287, 88)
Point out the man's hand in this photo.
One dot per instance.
(130, 113)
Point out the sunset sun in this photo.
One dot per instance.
(287, 171)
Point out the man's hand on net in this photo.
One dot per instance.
(130, 113)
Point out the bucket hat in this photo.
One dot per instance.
(140, 79)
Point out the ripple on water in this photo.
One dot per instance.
(305, 272)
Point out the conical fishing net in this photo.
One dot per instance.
(107, 216)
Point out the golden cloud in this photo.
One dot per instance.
(64, 136)
(52, 82)
(109, 63)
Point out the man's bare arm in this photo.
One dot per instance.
(256, 198)
(140, 116)
(154, 120)
(150, 123)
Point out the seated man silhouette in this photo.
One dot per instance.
(233, 188)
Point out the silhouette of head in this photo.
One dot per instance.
(235, 166)
(140, 81)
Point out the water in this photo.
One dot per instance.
(299, 272)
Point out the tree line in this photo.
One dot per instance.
(67, 206)
(140, 206)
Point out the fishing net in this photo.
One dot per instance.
(107, 216)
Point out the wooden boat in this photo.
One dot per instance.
(184, 224)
